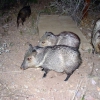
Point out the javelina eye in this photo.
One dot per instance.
(48, 35)
(28, 59)
(43, 42)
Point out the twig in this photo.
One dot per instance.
(77, 89)
(11, 72)
(18, 95)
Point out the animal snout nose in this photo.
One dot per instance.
(22, 67)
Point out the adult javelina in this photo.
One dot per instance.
(58, 58)
(64, 38)
(96, 37)
(23, 14)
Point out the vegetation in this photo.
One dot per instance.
(6, 4)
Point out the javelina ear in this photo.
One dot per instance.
(49, 34)
(30, 47)
(34, 53)
(46, 32)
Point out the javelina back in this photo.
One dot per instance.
(23, 14)
(58, 58)
(64, 38)
(96, 37)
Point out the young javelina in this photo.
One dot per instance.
(58, 58)
(23, 14)
(96, 37)
(64, 38)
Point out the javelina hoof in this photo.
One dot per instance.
(42, 69)
(46, 71)
(22, 68)
(44, 75)
(68, 75)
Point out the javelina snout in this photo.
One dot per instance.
(23, 67)
(48, 39)
(58, 58)
(23, 14)
(29, 58)
(64, 38)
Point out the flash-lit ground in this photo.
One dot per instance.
(16, 84)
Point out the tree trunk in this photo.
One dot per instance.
(85, 11)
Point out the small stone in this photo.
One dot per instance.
(4, 45)
(26, 86)
(89, 34)
(98, 89)
(7, 51)
(0, 65)
(96, 69)
(78, 94)
(42, 99)
(86, 47)
(93, 82)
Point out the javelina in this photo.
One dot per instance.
(64, 38)
(96, 37)
(23, 14)
(58, 58)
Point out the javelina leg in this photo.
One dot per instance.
(46, 71)
(42, 69)
(68, 75)
(93, 51)
(23, 20)
(17, 25)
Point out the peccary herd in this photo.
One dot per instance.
(59, 53)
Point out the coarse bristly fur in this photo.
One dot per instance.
(23, 14)
(95, 39)
(59, 58)
(64, 38)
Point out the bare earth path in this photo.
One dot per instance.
(16, 84)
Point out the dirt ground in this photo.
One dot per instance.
(16, 84)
